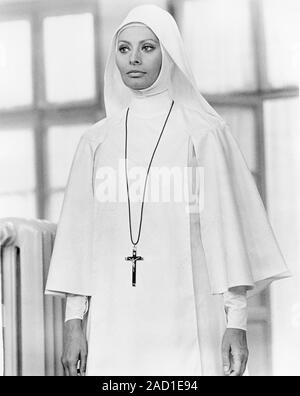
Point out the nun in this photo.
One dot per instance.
(162, 235)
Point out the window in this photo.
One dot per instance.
(282, 127)
(69, 58)
(15, 64)
(17, 173)
(212, 27)
(50, 89)
(282, 45)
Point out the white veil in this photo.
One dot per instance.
(183, 84)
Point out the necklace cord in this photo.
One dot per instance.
(145, 184)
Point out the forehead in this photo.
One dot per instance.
(136, 34)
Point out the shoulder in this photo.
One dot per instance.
(208, 130)
(196, 122)
(96, 133)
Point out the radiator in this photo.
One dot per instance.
(32, 323)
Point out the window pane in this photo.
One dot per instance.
(242, 125)
(17, 161)
(282, 27)
(18, 205)
(218, 37)
(15, 64)
(69, 58)
(283, 169)
(54, 205)
(62, 142)
(283, 195)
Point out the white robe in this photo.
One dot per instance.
(153, 328)
(173, 321)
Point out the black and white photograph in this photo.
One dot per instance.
(149, 190)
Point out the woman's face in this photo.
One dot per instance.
(138, 57)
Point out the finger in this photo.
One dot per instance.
(244, 365)
(65, 368)
(226, 358)
(83, 359)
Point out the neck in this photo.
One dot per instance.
(147, 104)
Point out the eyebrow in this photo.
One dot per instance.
(143, 41)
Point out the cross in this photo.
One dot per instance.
(134, 258)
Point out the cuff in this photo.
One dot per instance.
(236, 309)
(76, 307)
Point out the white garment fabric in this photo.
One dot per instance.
(173, 321)
(235, 303)
(150, 329)
(76, 307)
(236, 309)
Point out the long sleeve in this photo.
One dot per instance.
(76, 307)
(235, 305)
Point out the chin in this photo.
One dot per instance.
(136, 84)
(138, 87)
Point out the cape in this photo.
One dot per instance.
(238, 240)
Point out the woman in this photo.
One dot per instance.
(159, 271)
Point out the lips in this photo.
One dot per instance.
(136, 73)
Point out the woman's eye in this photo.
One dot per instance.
(123, 49)
(148, 48)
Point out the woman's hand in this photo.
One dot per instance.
(74, 348)
(235, 352)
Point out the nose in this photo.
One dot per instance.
(135, 58)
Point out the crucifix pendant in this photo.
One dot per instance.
(134, 258)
